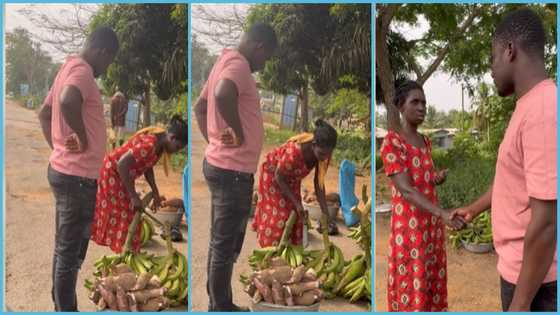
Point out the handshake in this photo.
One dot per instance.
(458, 218)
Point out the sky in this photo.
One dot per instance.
(14, 19)
(221, 10)
(442, 91)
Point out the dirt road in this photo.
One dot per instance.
(200, 234)
(29, 234)
(473, 281)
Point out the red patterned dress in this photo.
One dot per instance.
(113, 209)
(417, 260)
(273, 208)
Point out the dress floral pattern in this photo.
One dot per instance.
(417, 258)
(113, 209)
(273, 208)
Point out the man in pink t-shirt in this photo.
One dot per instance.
(73, 124)
(229, 117)
(523, 196)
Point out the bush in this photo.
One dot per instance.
(275, 137)
(178, 161)
(441, 158)
(466, 182)
(350, 146)
(36, 101)
(353, 147)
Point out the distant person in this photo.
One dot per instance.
(523, 196)
(117, 199)
(417, 275)
(119, 108)
(281, 175)
(229, 117)
(74, 126)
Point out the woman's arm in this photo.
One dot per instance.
(151, 179)
(124, 165)
(285, 189)
(320, 192)
(404, 185)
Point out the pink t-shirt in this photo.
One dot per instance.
(233, 66)
(526, 168)
(77, 72)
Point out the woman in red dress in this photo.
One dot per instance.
(417, 259)
(117, 199)
(280, 183)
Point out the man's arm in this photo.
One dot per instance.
(226, 95)
(71, 103)
(538, 253)
(45, 119)
(201, 114)
(471, 211)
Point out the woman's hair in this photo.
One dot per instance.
(324, 135)
(401, 93)
(178, 126)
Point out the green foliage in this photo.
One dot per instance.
(467, 59)
(276, 137)
(348, 106)
(352, 146)
(152, 48)
(441, 158)
(492, 115)
(35, 100)
(464, 148)
(27, 63)
(378, 162)
(178, 161)
(203, 60)
(466, 182)
(309, 37)
(164, 110)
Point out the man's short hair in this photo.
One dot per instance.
(264, 33)
(524, 27)
(103, 38)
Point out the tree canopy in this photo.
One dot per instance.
(20, 50)
(319, 45)
(458, 41)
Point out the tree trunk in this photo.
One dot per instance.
(386, 12)
(147, 105)
(304, 97)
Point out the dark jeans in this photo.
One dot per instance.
(544, 301)
(231, 194)
(75, 204)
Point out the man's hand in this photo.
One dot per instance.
(456, 223)
(440, 176)
(466, 214)
(74, 145)
(230, 139)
